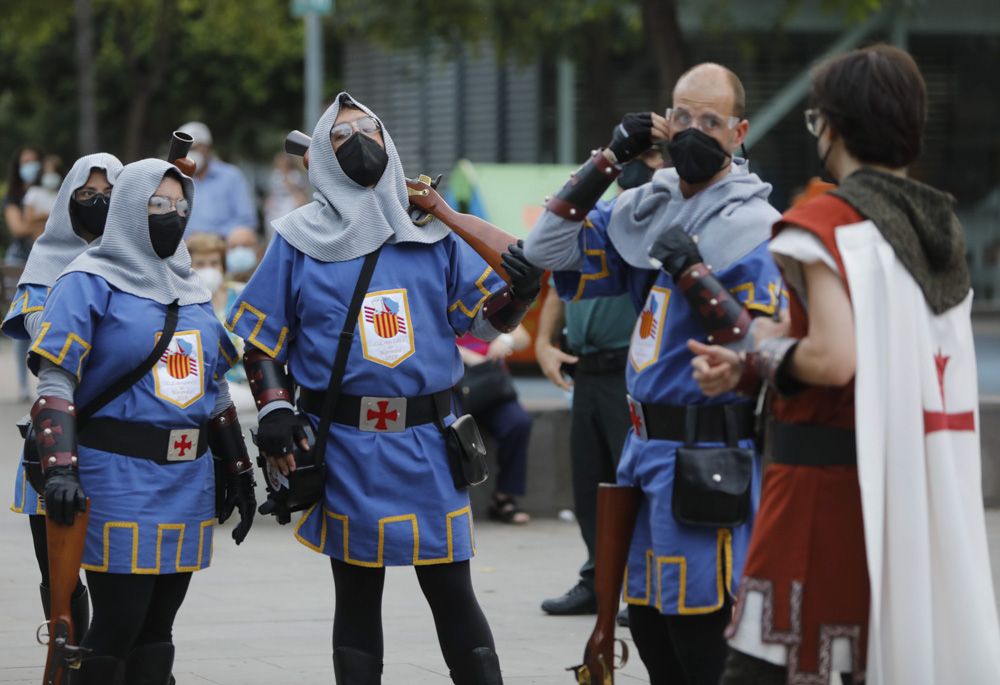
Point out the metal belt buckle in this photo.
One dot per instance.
(637, 417)
(183, 444)
(382, 414)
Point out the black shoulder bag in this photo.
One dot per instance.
(304, 487)
(712, 484)
(32, 462)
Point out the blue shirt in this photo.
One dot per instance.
(222, 201)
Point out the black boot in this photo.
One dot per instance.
(479, 667)
(354, 667)
(43, 590)
(150, 664)
(102, 670)
(79, 611)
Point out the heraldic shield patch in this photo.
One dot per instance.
(180, 373)
(644, 348)
(386, 327)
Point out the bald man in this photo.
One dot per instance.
(690, 249)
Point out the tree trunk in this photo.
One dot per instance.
(86, 75)
(146, 82)
(665, 40)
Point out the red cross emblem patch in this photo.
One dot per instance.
(183, 444)
(382, 414)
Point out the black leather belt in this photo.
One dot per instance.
(692, 423)
(603, 362)
(143, 441)
(380, 414)
(799, 444)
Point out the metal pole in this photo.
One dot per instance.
(566, 111)
(313, 70)
(793, 92)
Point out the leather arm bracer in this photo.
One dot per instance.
(723, 317)
(504, 310)
(225, 439)
(584, 188)
(54, 422)
(771, 362)
(269, 382)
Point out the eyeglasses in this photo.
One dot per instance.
(708, 122)
(87, 194)
(162, 205)
(344, 130)
(812, 117)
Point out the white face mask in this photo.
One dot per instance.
(211, 277)
(199, 160)
(51, 180)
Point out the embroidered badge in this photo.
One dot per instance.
(386, 328)
(179, 375)
(648, 332)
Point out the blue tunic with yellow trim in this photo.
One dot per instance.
(390, 498)
(677, 568)
(145, 517)
(27, 299)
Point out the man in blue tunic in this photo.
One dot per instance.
(390, 497)
(690, 248)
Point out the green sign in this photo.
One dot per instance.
(303, 7)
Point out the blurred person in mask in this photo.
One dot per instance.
(41, 198)
(690, 250)
(224, 197)
(597, 335)
(288, 189)
(77, 220)
(242, 253)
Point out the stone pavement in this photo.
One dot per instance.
(262, 613)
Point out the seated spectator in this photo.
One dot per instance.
(488, 394)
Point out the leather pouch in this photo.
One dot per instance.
(466, 452)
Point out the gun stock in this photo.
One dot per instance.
(488, 240)
(617, 508)
(65, 545)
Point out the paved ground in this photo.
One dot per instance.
(262, 613)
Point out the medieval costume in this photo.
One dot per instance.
(143, 458)
(869, 554)
(390, 496)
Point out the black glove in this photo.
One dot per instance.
(277, 432)
(676, 251)
(632, 137)
(63, 495)
(240, 495)
(525, 277)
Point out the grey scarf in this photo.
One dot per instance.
(125, 257)
(728, 219)
(919, 222)
(346, 221)
(59, 244)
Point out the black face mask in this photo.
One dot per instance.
(824, 173)
(166, 232)
(362, 159)
(697, 156)
(634, 175)
(89, 216)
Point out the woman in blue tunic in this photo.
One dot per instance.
(390, 497)
(145, 459)
(77, 219)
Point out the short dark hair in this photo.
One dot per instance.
(876, 100)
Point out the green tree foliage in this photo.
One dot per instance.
(236, 64)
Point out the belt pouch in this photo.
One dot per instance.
(712, 485)
(466, 448)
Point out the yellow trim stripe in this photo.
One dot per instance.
(458, 304)
(153, 570)
(252, 338)
(58, 360)
(724, 581)
(380, 558)
(586, 278)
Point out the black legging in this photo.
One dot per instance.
(132, 610)
(40, 540)
(680, 650)
(460, 623)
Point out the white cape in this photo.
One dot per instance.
(933, 613)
